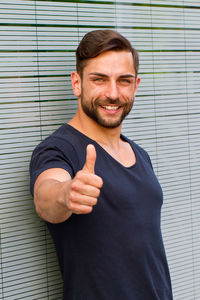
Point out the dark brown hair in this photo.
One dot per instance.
(99, 41)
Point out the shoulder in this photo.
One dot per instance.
(63, 139)
(64, 147)
(59, 150)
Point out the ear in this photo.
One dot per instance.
(76, 83)
(138, 79)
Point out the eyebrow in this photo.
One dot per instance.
(98, 74)
(127, 76)
(104, 75)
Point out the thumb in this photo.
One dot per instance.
(90, 159)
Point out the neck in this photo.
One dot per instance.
(101, 135)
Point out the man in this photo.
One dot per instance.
(96, 189)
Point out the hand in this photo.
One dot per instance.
(86, 186)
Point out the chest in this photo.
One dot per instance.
(123, 155)
(133, 192)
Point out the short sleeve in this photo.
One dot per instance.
(49, 154)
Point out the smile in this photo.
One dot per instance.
(110, 108)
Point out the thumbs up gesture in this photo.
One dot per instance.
(86, 186)
(90, 159)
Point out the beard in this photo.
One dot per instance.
(91, 110)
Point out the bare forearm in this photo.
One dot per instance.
(50, 198)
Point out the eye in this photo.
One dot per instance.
(98, 80)
(125, 81)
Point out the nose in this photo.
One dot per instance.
(112, 91)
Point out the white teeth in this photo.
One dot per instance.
(111, 107)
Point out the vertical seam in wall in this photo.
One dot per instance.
(38, 70)
(189, 153)
(41, 137)
(155, 123)
(1, 263)
(77, 16)
(116, 23)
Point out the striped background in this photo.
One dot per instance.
(37, 43)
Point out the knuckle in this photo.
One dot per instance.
(89, 209)
(74, 208)
(100, 182)
(70, 205)
(98, 193)
(76, 185)
(95, 201)
(73, 197)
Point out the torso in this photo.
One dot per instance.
(115, 252)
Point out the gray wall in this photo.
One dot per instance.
(37, 45)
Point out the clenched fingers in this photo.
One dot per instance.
(81, 188)
(85, 190)
(80, 209)
(78, 201)
(89, 179)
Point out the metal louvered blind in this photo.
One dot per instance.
(38, 39)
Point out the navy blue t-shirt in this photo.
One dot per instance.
(116, 252)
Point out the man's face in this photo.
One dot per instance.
(108, 88)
